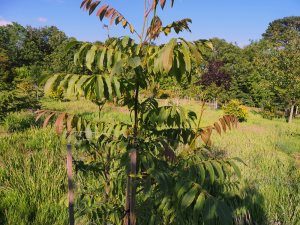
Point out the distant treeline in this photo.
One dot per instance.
(264, 74)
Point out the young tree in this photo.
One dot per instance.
(169, 172)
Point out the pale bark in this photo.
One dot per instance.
(291, 113)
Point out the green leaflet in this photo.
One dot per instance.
(78, 125)
(107, 87)
(134, 62)
(218, 168)
(99, 88)
(79, 85)
(198, 207)
(209, 210)
(157, 67)
(202, 173)
(117, 87)
(90, 57)
(101, 61)
(195, 52)
(235, 167)
(71, 85)
(49, 84)
(88, 132)
(78, 55)
(71, 44)
(189, 197)
(88, 86)
(168, 55)
(117, 67)
(210, 170)
(110, 58)
(187, 57)
(63, 84)
(184, 188)
(125, 41)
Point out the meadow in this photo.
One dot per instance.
(33, 182)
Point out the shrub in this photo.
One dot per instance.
(19, 121)
(271, 112)
(24, 96)
(234, 107)
(266, 114)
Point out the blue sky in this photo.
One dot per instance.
(236, 21)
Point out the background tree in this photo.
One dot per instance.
(277, 61)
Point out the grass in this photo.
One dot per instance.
(33, 182)
(32, 179)
(270, 169)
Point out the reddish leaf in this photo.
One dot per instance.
(205, 136)
(228, 121)
(162, 3)
(87, 5)
(155, 28)
(93, 7)
(101, 12)
(119, 19)
(154, 4)
(113, 17)
(46, 121)
(217, 127)
(109, 12)
(235, 121)
(59, 124)
(222, 121)
(84, 2)
(40, 113)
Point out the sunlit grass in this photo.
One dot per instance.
(32, 172)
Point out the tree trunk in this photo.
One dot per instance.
(291, 113)
(296, 113)
(216, 103)
(70, 185)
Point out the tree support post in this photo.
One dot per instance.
(70, 184)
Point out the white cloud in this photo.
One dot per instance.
(4, 22)
(42, 19)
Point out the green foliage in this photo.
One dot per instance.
(234, 107)
(25, 96)
(19, 121)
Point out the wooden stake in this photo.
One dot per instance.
(70, 184)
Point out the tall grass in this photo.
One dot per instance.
(32, 170)
(269, 171)
(32, 179)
